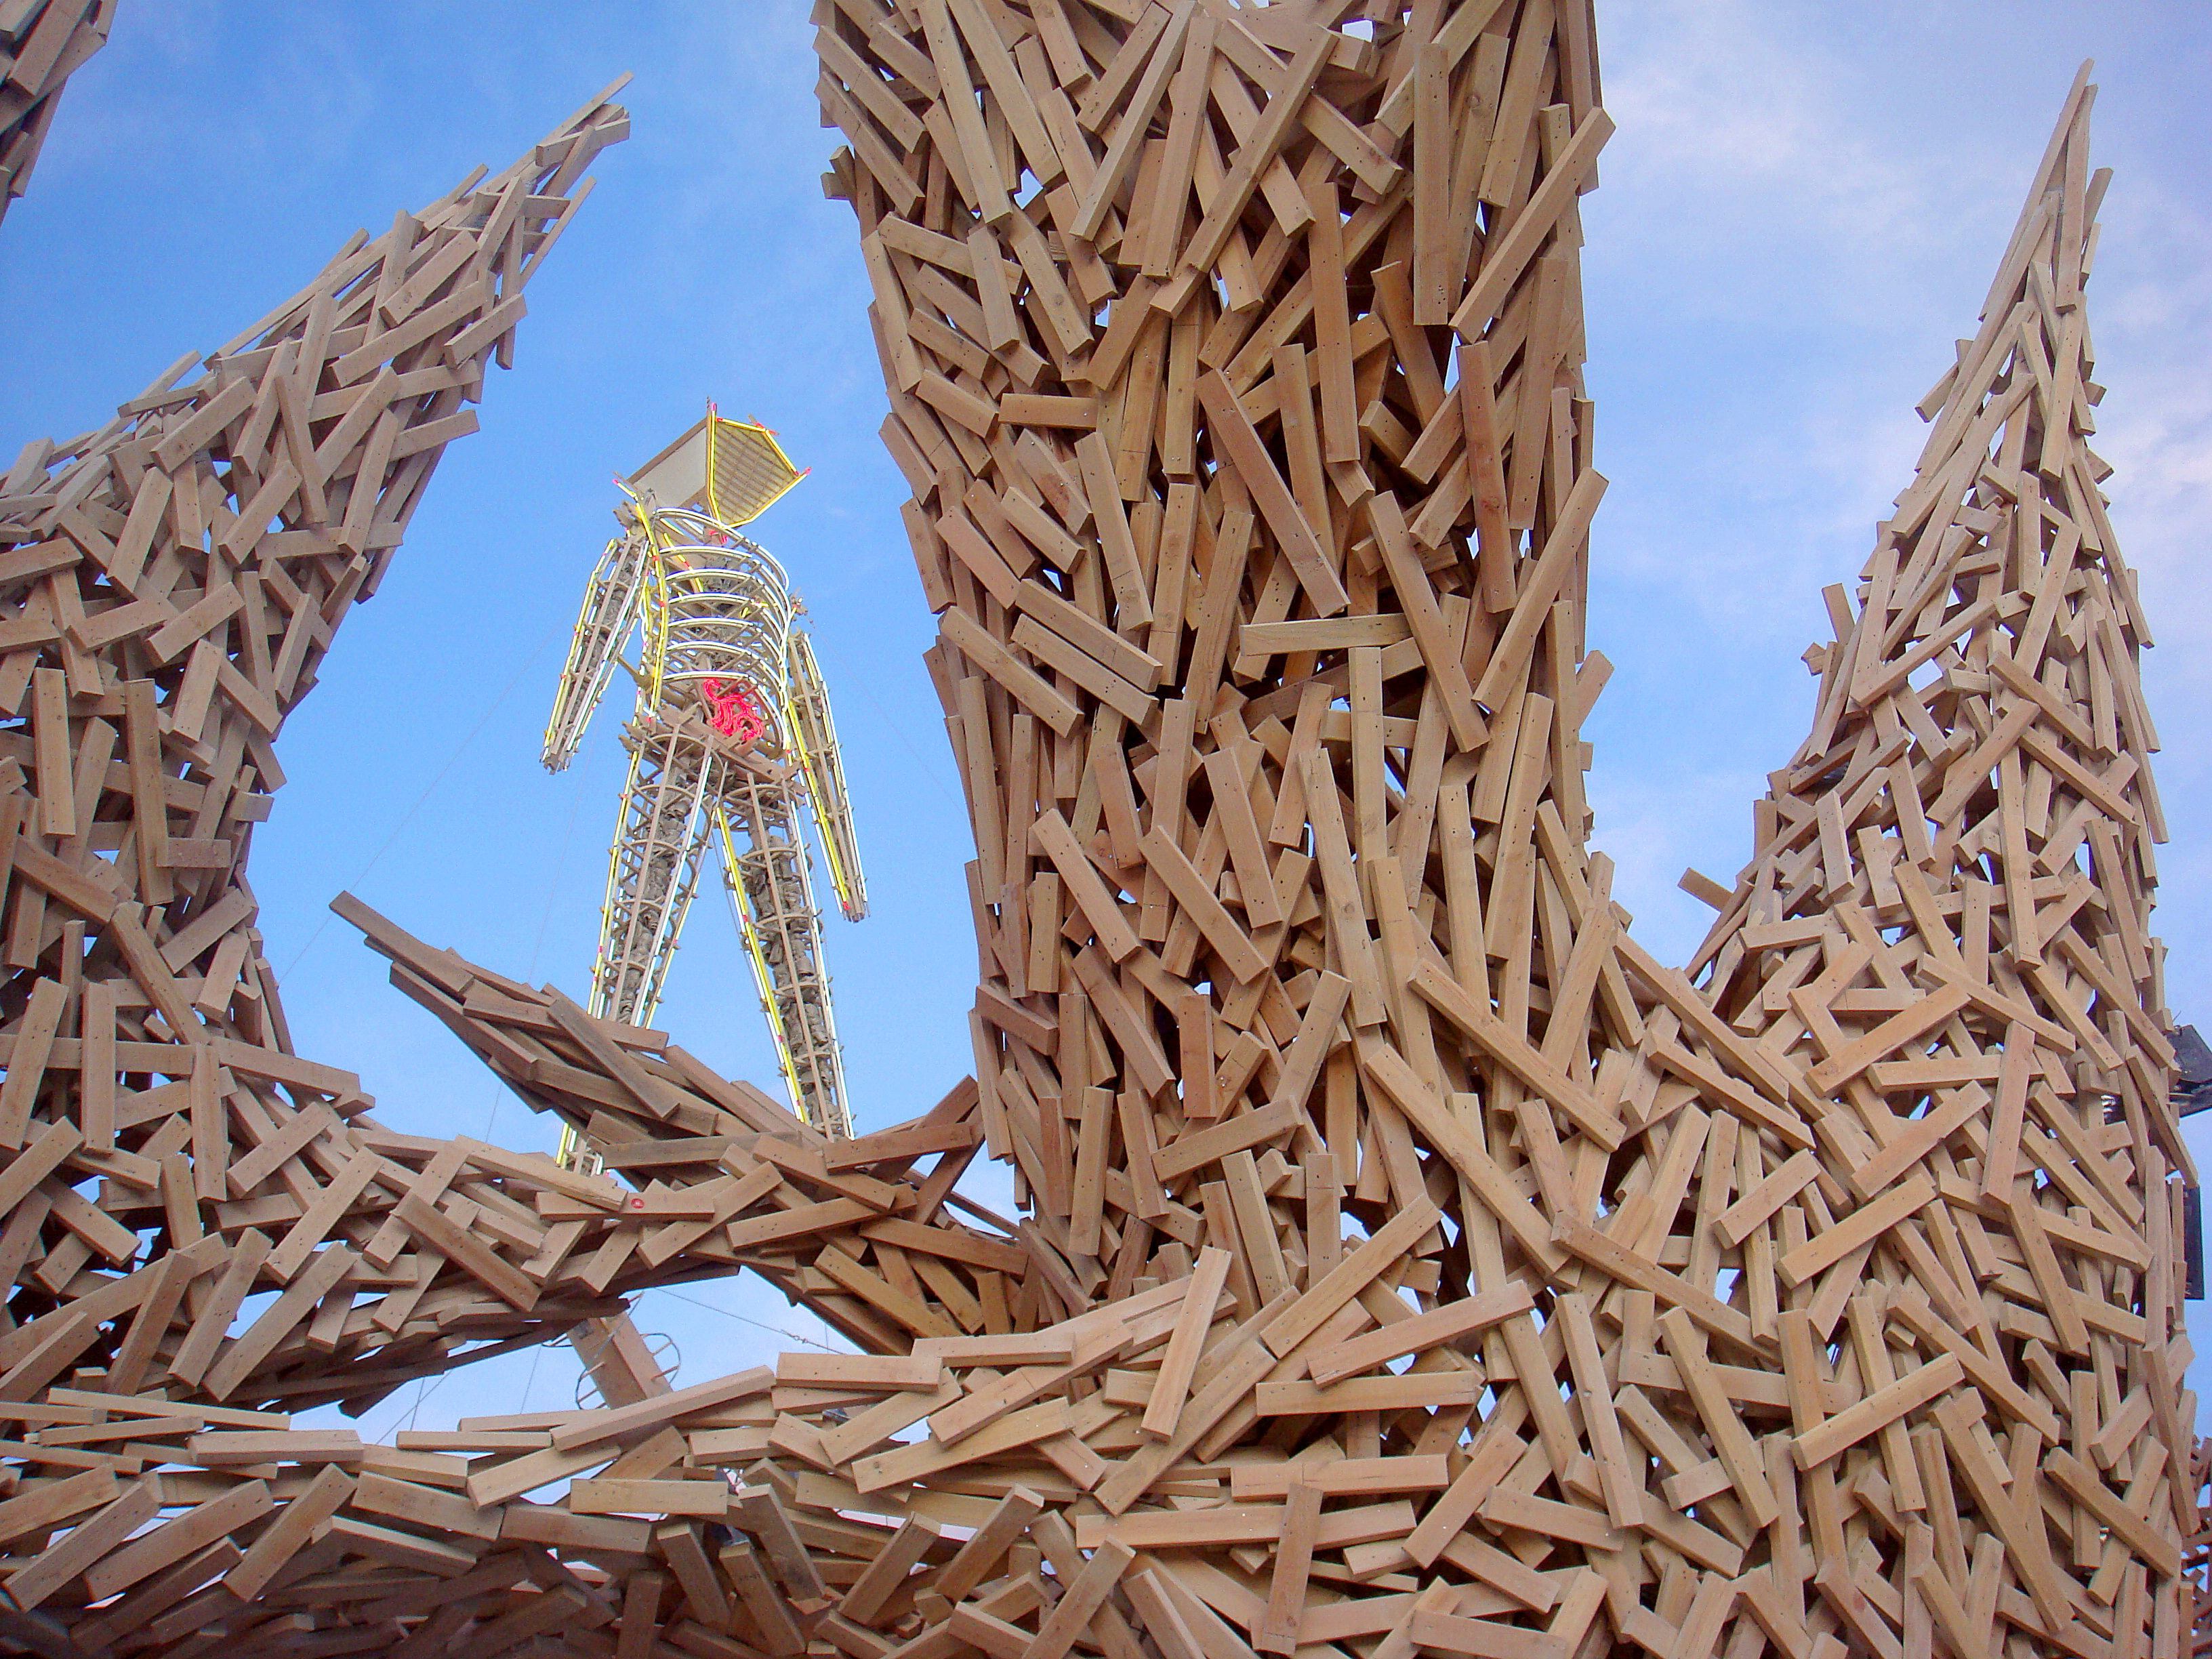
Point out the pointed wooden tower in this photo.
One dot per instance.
(1945, 932)
(41, 46)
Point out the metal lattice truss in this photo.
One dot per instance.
(713, 611)
(772, 895)
(654, 868)
(815, 732)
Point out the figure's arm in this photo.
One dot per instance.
(610, 611)
(825, 777)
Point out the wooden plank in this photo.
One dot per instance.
(465, 1251)
(1883, 1406)
(1239, 443)
(1278, 1630)
(1502, 266)
(1027, 688)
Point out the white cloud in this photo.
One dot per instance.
(1802, 209)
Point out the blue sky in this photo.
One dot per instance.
(1801, 209)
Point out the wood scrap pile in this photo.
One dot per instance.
(42, 44)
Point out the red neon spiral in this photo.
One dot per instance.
(734, 714)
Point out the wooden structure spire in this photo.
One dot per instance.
(42, 44)
(192, 1209)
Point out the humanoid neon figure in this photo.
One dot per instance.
(732, 732)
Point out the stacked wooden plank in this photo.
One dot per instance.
(1945, 933)
(192, 1210)
(42, 44)
(1411, 1263)
(141, 1513)
(1234, 359)
(2196, 1563)
(708, 1175)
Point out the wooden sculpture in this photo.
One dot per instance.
(170, 583)
(41, 46)
(1825, 1304)
(2196, 1559)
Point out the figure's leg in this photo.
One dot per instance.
(770, 888)
(652, 873)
